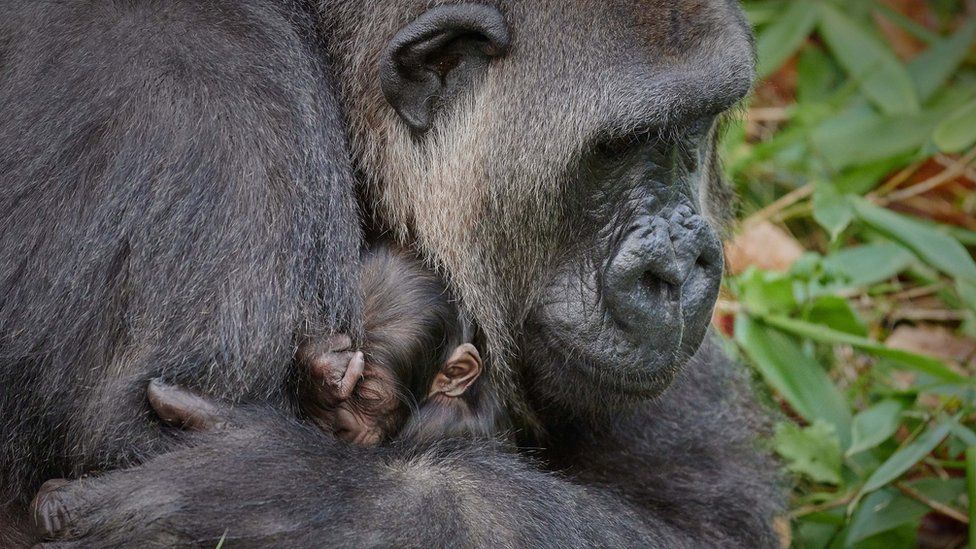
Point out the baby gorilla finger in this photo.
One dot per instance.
(337, 374)
(184, 409)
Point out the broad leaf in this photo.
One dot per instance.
(869, 264)
(874, 425)
(905, 458)
(882, 77)
(831, 209)
(812, 451)
(958, 131)
(856, 139)
(785, 34)
(837, 313)
(936, 248)
(930, 69)
(765, 291)
(882, 511)
(794, 375)
(818, 332)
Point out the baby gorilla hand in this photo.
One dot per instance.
(354, 400)
(334, 367)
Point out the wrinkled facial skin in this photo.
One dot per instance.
(634, 299)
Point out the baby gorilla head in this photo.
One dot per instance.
(418, 374)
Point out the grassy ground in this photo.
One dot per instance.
(853, 287)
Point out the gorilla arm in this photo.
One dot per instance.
(265, 480)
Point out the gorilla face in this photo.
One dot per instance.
(634, 300)
(566, 184)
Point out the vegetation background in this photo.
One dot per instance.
(852, 290)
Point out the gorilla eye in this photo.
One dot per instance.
(617, 147)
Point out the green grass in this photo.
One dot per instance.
(859, 148)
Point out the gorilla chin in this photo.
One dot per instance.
(627, 324)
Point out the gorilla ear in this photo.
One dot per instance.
(434, 57)
(458, 373)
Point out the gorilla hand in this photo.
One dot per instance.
(334, 369)
(243, 473)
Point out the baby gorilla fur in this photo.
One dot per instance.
(417, 375)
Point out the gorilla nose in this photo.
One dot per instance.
(660, 267)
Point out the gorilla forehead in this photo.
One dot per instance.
(630, 63)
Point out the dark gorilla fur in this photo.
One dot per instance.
(177, 201)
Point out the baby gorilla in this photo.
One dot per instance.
(417, 357)
(417, 376)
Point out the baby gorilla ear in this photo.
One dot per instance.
(458, 373)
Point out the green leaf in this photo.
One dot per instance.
(971, 491)
(836, 312)
(788, 31)
(764, 291)
(812, 451)
(817, 76)
(874, 425)
(794, 375)
(905, 458)
(958, 131)
(967, 292)
(888, 508)
(831, 209)
(760, 13)
(934, 66)
(863, 266)
(882, 511)
(856, 139)
(883, 79)
(818, 332)
(935, 248)
(862, 179)
(963, 433)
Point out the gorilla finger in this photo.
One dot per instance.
(354, 371)
(184, 409)
(51, 510)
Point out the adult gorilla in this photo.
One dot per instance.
(176, 202)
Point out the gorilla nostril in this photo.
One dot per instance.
(702, 263)
(653, 283)
(648, 280)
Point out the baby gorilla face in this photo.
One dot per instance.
(372, 412)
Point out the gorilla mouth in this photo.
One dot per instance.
(637, 371)
(578, 331)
